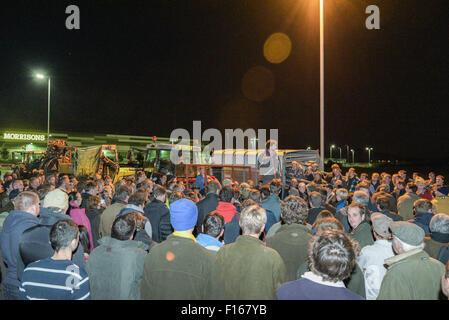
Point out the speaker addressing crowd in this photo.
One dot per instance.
(323, 235)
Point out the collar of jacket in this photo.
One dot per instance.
(134, 207)
(49, 217)
(184, 234)
(440, 237)
(295, 226)
(402, 256)
(249, 239)
(362, 225)
(112, 242)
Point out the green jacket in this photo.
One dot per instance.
(412, 275)
(355, 282)
(291, 242)
(180, 269)
(433, 247)
(115, 269)
(251, 271)
(405, 205)
(363, 234)
(108, 217)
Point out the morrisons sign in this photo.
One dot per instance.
(24, 136)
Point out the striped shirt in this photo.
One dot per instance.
(50, 279)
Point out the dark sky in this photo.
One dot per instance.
(147, 67)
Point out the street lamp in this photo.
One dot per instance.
(352, 151)
(41, 76)
(340, 152)
(369, 154)
(322, 85)
(332, 146)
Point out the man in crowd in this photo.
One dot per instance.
(272, 203)
(412, 274)
(209, 203)
(292, 238)
(225, 206)
(441, 200)
(24, 216)
(250, 269)
(57, 277)
(406, 201)
(361, 229)
(212, 231)
(159, 215)
(423, 209)
(383, 206)
(108, 216)
(115, 267)
(332, 258)
(179, 268)
(371, 259)
(351, 180)
(268, 162)
(439, 234)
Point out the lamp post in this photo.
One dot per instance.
(369, 154)
(340, 152)
(322, 86)
(41, 76)
(331, 147)
(352, 151)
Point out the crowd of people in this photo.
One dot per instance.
(323, 235)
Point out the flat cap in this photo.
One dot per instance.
(381, 224)
(408, 232)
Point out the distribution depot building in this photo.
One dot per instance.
(15, 144)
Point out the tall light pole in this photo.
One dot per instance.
(322, 85)
(41, 76)
(352, 151)
(340, 152)
(369, 154)
(331, 147)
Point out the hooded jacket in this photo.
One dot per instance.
(12, 233)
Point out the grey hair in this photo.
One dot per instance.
(439, 223)
(361, 197)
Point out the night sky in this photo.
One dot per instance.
(147, 67)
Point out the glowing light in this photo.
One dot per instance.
(258, 84)
(40, 76)
(170, 256)
(277, 47)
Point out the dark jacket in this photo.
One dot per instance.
(232, 229)
(313, 213)
(181, 269)
(394, 216)
(363, 234)
(12, 233)
(206, 206)
(159, 215)
(94, 217)
(121, 261)
(422, 219)
(35, 244)
(291, 242)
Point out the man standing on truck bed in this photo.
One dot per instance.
(268, 162)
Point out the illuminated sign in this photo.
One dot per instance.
(24, 136)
